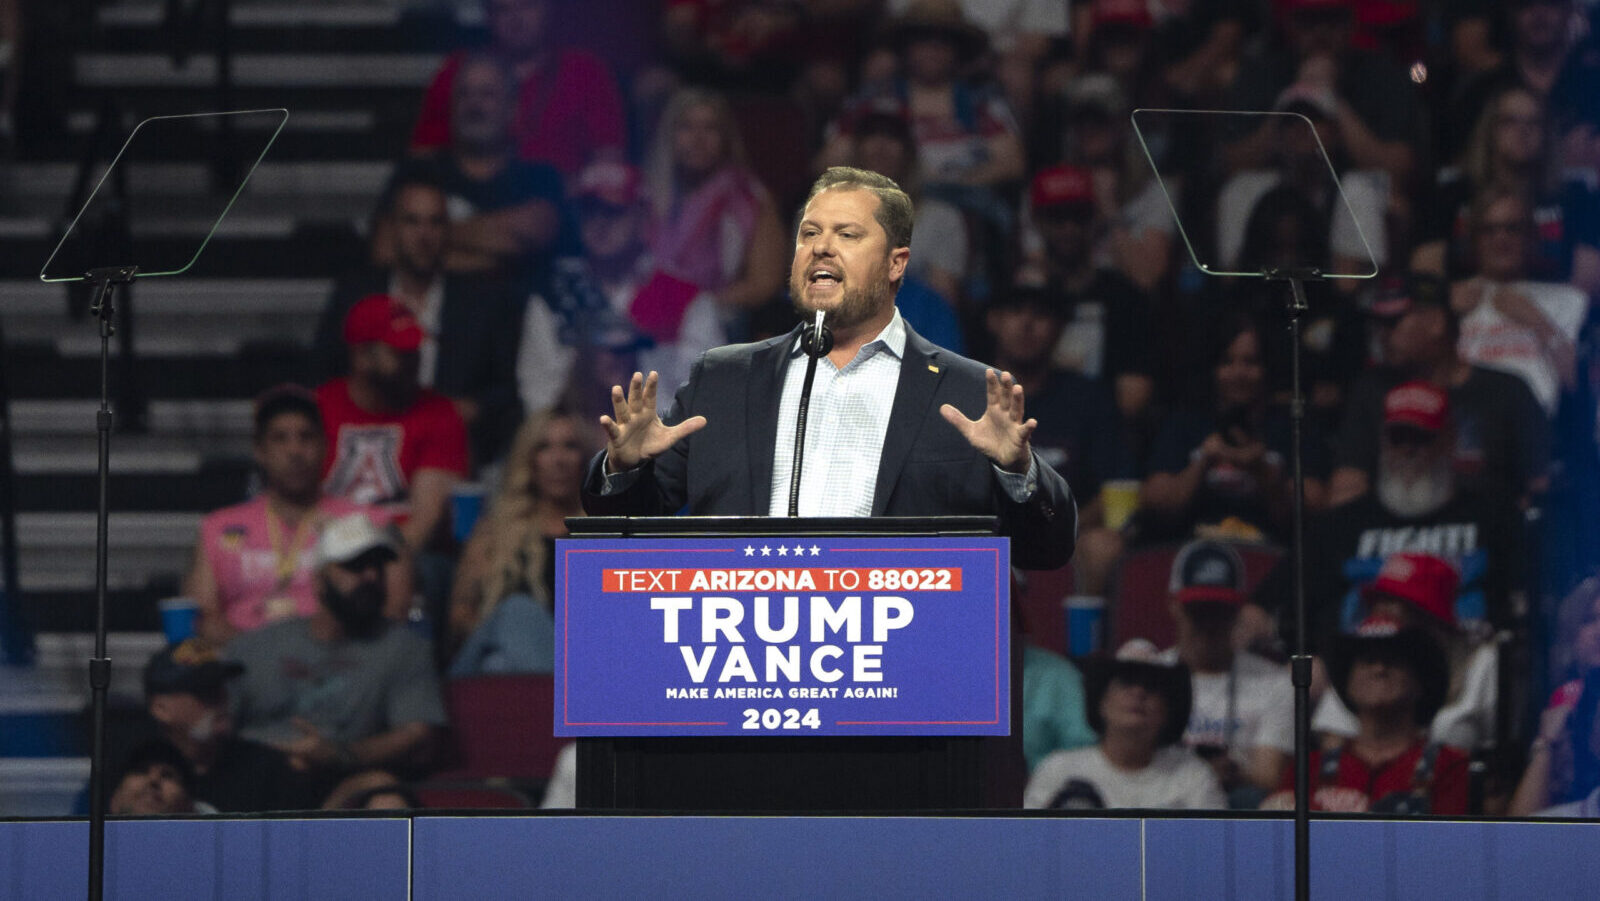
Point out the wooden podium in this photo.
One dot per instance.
(794, 773)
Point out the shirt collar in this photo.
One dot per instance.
(892, 339)
(432, 302)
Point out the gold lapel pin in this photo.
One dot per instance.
(932, 368)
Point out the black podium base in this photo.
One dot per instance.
(787, 774)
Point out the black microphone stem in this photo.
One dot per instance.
(816, 340)
(800, 436)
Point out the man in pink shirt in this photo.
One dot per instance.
(253, 562)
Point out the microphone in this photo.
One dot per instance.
(816, 340)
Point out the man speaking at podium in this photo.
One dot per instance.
(897, 426)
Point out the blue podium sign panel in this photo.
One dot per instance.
(774, 635)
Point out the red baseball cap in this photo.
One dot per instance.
(381, 318)
(1061, 185)
(1426, 582)
(1290, 6)
(616, 184)
(1123, 12)
(1417, 404)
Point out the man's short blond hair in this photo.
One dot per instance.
(894, 210)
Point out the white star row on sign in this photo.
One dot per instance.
(766, 551)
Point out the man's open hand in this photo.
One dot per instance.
(634, 431)
(1002, 433)
(311, 750)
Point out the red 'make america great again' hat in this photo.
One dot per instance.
(1417, 404)
(381, 318)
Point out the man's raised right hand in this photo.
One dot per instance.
(635, 431)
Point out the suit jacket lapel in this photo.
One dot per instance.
(763, 395)
(920, 372)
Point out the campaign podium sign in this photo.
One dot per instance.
(782, 635)
(691, 682)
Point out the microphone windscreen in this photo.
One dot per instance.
(816, 340)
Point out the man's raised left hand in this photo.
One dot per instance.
(1002, 433)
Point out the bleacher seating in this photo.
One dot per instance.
(504, 745)
(1040, 605)
(207, 342)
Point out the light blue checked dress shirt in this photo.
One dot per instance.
(848, 418)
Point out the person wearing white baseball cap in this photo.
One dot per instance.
(345, 689)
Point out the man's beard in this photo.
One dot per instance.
(398, 390)
(1415, 495)
(858, 305)
(359, 612)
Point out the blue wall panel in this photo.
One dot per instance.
(1224, 860)
(202, 860)
(746, 857)
(43, 861)
(1253, 860)
(881, 858)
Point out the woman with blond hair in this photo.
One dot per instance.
(501, 602)
(713, 223)
(1513, 147)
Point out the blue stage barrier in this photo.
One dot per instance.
(1386, 860)
(454, 858)
(788, 857)
(211, 860)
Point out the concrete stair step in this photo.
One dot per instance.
(191, 178)
(260, 15)
(290, 297)
(313, 249)
(174, 424)
(70, 608)
(41, 787)
(176, 316)
(41, 373)
(277, 70)
(202, 486)
(265, 27)
(126, 531)
(55, 550)
(58, 680)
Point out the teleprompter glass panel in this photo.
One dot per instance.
(121, 223)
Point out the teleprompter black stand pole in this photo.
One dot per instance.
(1300, 663)
(16, 636)
(105, 281)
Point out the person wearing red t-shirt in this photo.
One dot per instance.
(1394, 679)
(394, 443)
(569, 110)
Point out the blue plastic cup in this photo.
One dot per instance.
(1085, 616)
(179, 617)
(466, 504)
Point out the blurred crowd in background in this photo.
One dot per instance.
(558, 220)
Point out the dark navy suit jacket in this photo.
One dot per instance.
(927, 467)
